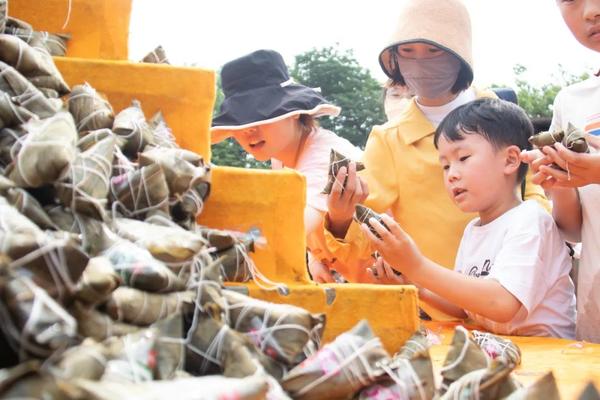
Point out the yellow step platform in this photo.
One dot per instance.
(240, 199)
(98, 28)
(184, 95)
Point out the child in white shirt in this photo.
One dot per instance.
(512, 269)
(575, 188)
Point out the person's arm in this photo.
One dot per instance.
(485, 297)
(441, 304)
(567, 212)
(378, 182)
(382, 273)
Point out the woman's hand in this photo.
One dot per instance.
(343, 199)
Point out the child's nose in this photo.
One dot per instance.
(453, 174)
(591, 11)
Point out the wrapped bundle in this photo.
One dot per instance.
(417, 343)
(35, 64)
(84, 186)
(142, 308)
(140, 192)
(573, 139)
(363, 214)
(3, 14)
(166, 243)
(47, 150)
(12, 114)
(24, 93)
(491, 383)
(213, 347)
(97, 282)
(163, 136)
(410, 379)
(218, 239)
(178, 165)
(281, 331)
(93, 137)
(236, 265)
(18, 235)
(170, 347)
(206, 281)
(32, 321)
(56, 262)
(132, 358)
(495, 346)
(10, 144)
(207, 387)
(12, 22)
(189, 205)
(138, 269)
(84, 361)
(590, 392)
(97, 325)
(27, 205)
(29, 381)
(131, 125)
(544, 388)
(5, 185)
(463, 357)
(53, 43)
(90, 110)
(337, 161)
(339, 369)
(156, 56)
(94, 233)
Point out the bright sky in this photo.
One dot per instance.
(210, 33)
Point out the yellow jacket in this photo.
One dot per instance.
(405, 177)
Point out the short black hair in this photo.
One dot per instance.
(500, 122)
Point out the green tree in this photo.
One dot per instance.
(346, 84)
(537, 100)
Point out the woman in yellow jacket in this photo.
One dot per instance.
(431, 54)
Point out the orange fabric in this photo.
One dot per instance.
(98, 28)
(573, 363)
(184, 95)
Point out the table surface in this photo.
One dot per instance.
(573, 363)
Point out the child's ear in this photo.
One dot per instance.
(513, 160)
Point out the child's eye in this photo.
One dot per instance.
(464, 158)
(445, 167)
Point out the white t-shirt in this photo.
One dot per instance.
(580, 105)
(313, 163)
(524, 251)
(435, 115)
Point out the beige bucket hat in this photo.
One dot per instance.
(443, 23)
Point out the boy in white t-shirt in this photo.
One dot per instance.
(512, 268)
(575, 189)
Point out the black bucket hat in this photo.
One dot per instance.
(258, 90)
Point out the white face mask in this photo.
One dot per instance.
(430, 77)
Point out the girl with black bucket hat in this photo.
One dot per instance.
(430, 53)
(274, 118)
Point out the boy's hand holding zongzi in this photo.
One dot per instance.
(395, 246)
(348, 191)
(382, 273)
